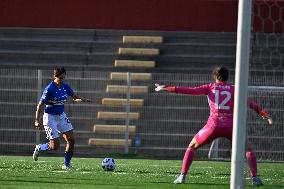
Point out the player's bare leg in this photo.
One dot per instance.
(54, 144)
(69, 138)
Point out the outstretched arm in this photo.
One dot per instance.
(264, 114)
(201, 90)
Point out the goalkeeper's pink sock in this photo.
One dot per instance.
(251, 161)
(187, 160)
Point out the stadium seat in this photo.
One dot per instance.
(134, 76)
(117, 115)
(123, 89)
(107, 142)
(139, 51)
(122, 102)
(134, 63)
(142, 39)
(114, 129)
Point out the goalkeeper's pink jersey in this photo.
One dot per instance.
(221, 101)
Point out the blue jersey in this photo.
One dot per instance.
(54, 97)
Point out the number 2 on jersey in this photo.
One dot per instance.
(222, 105)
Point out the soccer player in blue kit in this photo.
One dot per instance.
(55, 121)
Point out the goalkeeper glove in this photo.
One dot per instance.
(164, 88)
(265, 115)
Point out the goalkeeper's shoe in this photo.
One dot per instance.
(36, 152)
(67, 167)
(256, 181)
(180, 179)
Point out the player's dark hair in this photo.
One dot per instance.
(59, 71)
(221, 73)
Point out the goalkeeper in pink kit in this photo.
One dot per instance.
(220, 122)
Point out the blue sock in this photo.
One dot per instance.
(67, 158)
(44, 147)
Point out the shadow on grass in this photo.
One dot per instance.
(172, 172)
(75, 182)
(219, 184)
(142, 172)
(4, 167)
(53, 178)
(194, 183)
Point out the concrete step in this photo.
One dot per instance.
(22, 58)
(15, 45)
(117, 115)
(122, 102)
(80, 84)
(45, 46)
(89, 34)
(142, 39)
(134, 63)
(123, 89)
(139, 51)
(47, 34)
(105, 60)
(108, 142)
(114, 129)
(133, 76)
(47, 74)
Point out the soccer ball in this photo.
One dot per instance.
(108, 164)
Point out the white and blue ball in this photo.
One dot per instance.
(108, 164)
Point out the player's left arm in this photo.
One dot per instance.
(263, 113)
(38, 114)
(77, 98)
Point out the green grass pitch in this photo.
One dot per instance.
(23, 172)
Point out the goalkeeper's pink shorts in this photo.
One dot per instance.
(213, 130)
